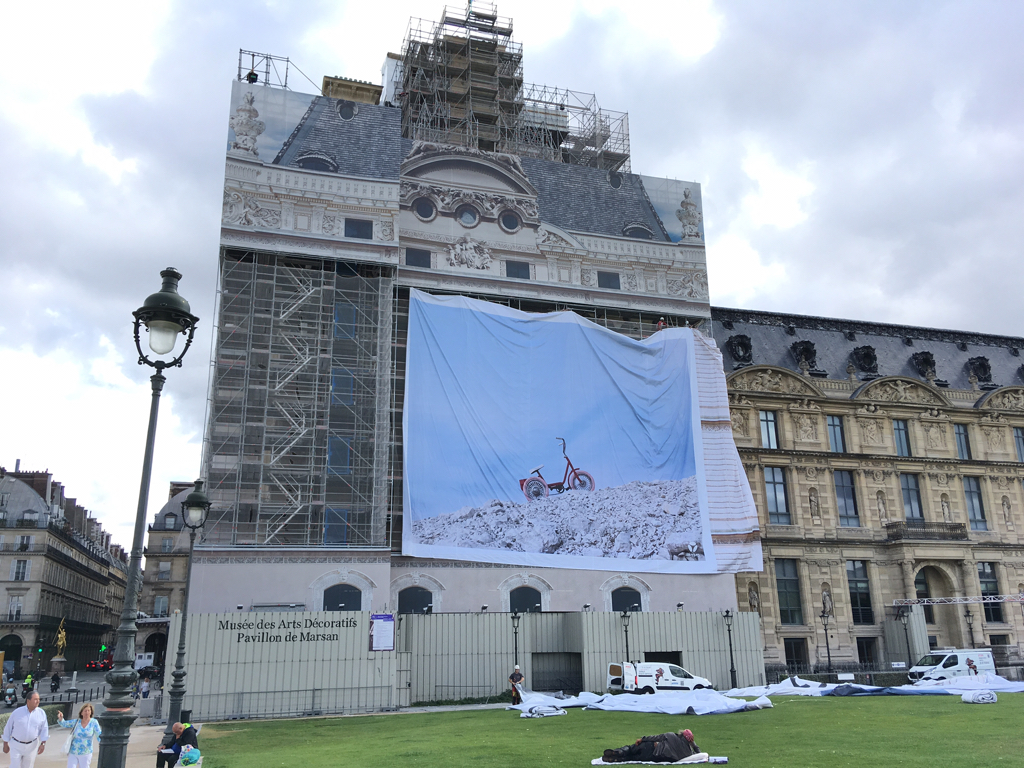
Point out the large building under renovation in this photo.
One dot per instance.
(452, 178)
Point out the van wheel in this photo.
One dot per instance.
(697, 687)
(648, 689)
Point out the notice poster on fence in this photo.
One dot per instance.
(382, 632)
(548, 440)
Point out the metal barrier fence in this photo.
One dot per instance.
(246, 705)
(96, 693)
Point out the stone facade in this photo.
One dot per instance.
(872, 471)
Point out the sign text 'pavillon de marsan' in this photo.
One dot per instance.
(265, 630)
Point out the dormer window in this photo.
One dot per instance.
(170, 522)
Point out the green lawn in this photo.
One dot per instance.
(864, 732)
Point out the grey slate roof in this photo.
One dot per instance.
(368, 145)
(893, 344)
(172, 507)
(22, 498)
(580, 199)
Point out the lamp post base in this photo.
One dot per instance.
(116, 724)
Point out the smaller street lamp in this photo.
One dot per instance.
(194, 511)
(624, 616)
(970, 624)
(824, 616)
(903, 614)
(727, 615)
(515, 634)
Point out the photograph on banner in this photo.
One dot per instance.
(678, 205)
(548, 440)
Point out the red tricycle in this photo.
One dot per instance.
(536, 487)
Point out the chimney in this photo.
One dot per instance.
(17, 465)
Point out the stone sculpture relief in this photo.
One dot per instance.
(812, 502)
(804, 354)
(980, 367)
(924, 363)
(935, 434)
(826, 600)
(947, 512)
(883, 513)
(246, 210)
(994, 438)
(550, 239)
(246, 127)
(740, 348)
(753, 598)
(428, 148)
(871, 431)
(1007, 512)
(689, 216)
(739, 423)
(691, 285)
(1007, 400)
(467, 252)
(806, 426)
(448, 199)
(770, 381)
(901, 391)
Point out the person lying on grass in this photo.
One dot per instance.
(660, 748)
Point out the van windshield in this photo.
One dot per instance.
(931, 660)
(678, 672)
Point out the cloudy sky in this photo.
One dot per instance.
(859, 160)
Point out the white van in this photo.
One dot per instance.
(955, 662)
(652, 676)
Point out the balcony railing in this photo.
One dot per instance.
(922, 531)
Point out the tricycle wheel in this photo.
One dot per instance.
(535, 488)
(580, 480)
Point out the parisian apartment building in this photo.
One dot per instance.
(58, 564)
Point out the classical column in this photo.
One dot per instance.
(910, 591)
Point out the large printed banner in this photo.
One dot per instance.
(547, 440)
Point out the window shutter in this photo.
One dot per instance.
(28, 569)
(14, 567)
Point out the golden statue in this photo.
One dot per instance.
(62, 639)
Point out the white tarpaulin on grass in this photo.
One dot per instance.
(703, 702)
(955, 686)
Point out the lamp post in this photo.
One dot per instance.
(515, 635)
(625, 629)
(904, 616)
(727, 615)
(194, 510)
(970, 624)
(166, 315)
(824, 616)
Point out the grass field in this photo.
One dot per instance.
(864, 732)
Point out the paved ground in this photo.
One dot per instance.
(142, 744)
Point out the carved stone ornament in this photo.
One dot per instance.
(1009, 399)
(467, 252)
(883, 513)
(811, 473)
(422, 149)
(449, 199)
(385, 230)
(768, 380)
(246, 127)
(550, 239)
(924, 364)
(804, 353)
(947, 512)
(806, 427)
(246, 211)
(689, 216)
(994, 438)
(739, 423)
(865, 359)
(753, 597)
(740, 348)
(826, 600)
(812, 502)
(690, 285)
(871, 431)
(934, 433)
(900, 391)
(981, 368)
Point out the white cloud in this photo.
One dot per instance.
(779, 200)
(737, 272)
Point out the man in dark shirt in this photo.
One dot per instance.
(660, 748)
(167, 755)
(516, 678)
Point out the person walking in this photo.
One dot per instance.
(83, 731)
(144, 687)
(26, 733)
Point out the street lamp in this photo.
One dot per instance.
(727, 615)
(970, 624)
(515, 635)
(166, 315)
(625, 629)
(194, 510)
(903, 614)
(824, 616)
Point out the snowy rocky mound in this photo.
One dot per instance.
(640, 520)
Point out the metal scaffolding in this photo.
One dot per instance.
(298, 431)
(461, 82)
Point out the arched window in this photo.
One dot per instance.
(524, 600)
(626, 599)
(343, 597)
(415, 600)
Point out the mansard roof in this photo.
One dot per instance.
(896, 349)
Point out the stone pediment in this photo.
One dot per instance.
(1003, 399)
(897, 389)
(455, 166)
(765, 378)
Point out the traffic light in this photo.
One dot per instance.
(40, 650)
(103, 648)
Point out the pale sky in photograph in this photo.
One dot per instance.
(859, 160)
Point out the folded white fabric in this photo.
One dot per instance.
(978, 697)
(700, 757)
(542, 710)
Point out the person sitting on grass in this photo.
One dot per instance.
(660, 748)
(167, 754)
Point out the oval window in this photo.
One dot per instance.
(346, 110)
(510, 221)
(424, 208)
(467, 216)
(615, 179)
(638, 233)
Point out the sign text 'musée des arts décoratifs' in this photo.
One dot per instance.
(297, 630)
